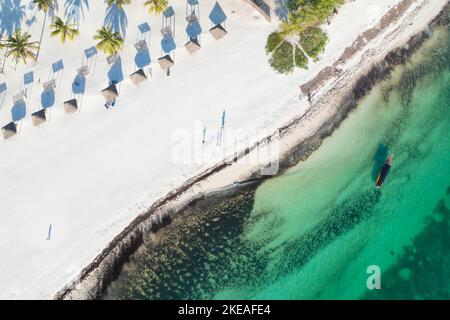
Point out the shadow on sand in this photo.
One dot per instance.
(117, 19)
(142, 58)
(19, 111)
(12, 12)
(48, 98)
(79, 84)
(281, 9)
(74, 9)
(115, 74)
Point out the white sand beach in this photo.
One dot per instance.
(89, 174)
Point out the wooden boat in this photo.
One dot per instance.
(384, 172)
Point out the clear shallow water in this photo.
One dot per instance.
(312, 232)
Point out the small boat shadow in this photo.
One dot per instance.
(379, 158)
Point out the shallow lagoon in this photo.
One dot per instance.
(312, 232)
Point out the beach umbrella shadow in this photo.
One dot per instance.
(79, 84)
(19, 111)
(48, 98)
(142, 58)
(168, 43)
(115, 74)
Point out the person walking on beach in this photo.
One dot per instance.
(204, 134)
(219, 136)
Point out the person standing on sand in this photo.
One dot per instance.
(49, 235)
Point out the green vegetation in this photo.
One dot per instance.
(156, 6)
(303, 22)
(283, 58)
(301, 60)
(64, 29)
(273, 41)
(109, 42)
(19, 47)
(313, 41)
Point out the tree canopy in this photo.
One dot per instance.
(302, 23)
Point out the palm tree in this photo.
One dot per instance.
(20, 48)
(109, 42)
(44, 6)
(118, 3)
(64, 29)
(156, 6)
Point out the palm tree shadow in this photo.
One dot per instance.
(74, 9)
(117, 19)
(142, 58)
(281, 9)
(12, 12)
(379, 158)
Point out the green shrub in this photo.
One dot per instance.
(293, 5)
(282, 59)
(273, 40)
(301, 60)
(313, 41)
(308, 13)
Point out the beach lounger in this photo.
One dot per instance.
(141, 45)
(167, 30)
(112, 58)
(18, 98)
(83, 70)
(50, 85)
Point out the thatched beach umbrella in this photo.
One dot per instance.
(71, 106)
(38, 117)
(138, 76)
(192, 46)
(110, 93)
(9, 130)
(165, 62)
(218, 32)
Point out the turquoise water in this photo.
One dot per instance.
(312, 232)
